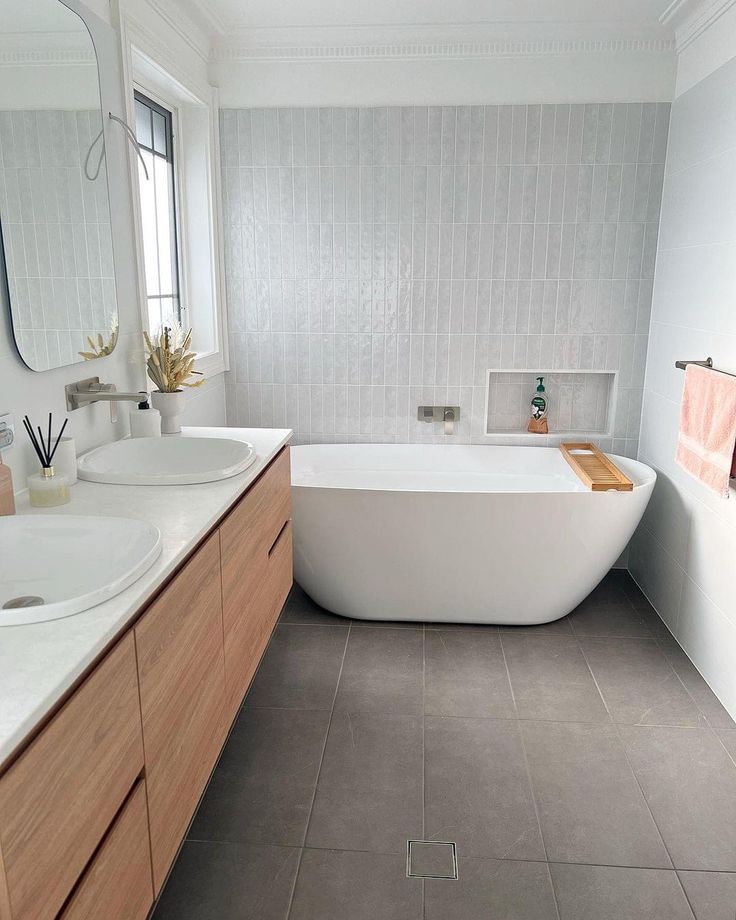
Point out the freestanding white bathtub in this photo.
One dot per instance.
(467, 534)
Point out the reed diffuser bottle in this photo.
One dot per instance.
(46, 489)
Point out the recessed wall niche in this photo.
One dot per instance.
(580, 402)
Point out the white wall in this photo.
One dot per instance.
(453, 80)
(49, 86)
(683, 555)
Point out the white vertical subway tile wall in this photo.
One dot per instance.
(56, 233)
(378, 259)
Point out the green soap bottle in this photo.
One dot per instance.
(539, 406)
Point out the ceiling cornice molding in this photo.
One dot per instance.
(58, 57)
(243, 50)
(691, 18)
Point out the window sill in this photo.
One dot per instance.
(211, 365)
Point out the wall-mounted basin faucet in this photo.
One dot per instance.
(448, 415)
(85, 392)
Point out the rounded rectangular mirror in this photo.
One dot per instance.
(54, 205)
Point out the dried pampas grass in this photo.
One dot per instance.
(170, 363)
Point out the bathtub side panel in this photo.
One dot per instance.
(513, 558)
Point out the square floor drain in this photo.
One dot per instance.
(431, 859)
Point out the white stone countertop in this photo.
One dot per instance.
(41, 661)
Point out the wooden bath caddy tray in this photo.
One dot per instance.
(594, 468)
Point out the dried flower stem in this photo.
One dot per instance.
(170, 364)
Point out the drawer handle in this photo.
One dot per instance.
(279, 535)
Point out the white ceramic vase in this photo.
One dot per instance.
(171, 406)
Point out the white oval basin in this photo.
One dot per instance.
(166, 461)
(68, 563)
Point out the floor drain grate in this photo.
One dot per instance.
(431, 859)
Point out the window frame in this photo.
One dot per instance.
(171, 117)
(160, 76)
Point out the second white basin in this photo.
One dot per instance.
(166, 461)
(52, 566)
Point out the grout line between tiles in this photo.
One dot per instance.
(529, 774)
(630, 765)
(440, 715)
(488, 858)
(316, 782)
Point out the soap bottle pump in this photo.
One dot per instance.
(145, 422)
(539, 405)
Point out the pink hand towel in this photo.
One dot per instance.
(705, 445)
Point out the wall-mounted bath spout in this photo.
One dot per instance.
(448, 415)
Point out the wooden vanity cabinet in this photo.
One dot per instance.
(256, 552)
(118, 882)
(182, 686)
(61, 795)
(93, 811)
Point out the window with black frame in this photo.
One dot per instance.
(154, 132)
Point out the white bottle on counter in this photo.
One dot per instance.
(145, 422)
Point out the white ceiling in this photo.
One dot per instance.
(608, 16)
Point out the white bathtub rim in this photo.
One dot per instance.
(642, 475)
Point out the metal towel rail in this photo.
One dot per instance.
(707, 363)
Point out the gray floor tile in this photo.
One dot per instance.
(712, 895)
(619, 620)
(690, 784)
(634, 592)
(728, 739)
(477, 791)
(229, 881)
(639, 602)
(262, 789)
(555, 628)
(300, 668)
(590, 806)
(612, 893)
(432, 859)
(490, 889)
(369, 794)
(638, 684)
(465, 674)
(656, 625)
(698, 689)
(382, 672)
(301, 609)
(551, 680)
(611, 590)
(335, 885)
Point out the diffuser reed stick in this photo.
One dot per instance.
(43, 449)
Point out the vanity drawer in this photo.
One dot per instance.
(182, 685)
(58, 800)
(118, 881)
(256, 552)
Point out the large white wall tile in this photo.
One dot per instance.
(709, 638)
(659, 576)
(689, 536)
